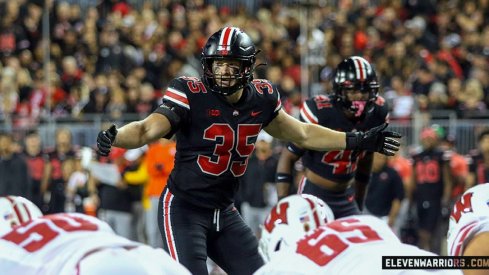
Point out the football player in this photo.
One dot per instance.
(295, 244)
(431, 185)
(468, 232)
(71, 244)
(216, 119)
(334, 175)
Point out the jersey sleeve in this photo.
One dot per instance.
(175, 105)
(308, 112)
(176, 93)
(276, 102)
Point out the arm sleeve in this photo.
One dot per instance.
(398, 185)
(296, 150)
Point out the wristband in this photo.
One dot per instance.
(351, 141)
(284, 177)
(295, 150)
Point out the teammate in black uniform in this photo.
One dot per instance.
(216, 120)
(432, 187)
(333, 176)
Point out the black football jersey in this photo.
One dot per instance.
(215, 138)
(428, 167)
(337, 165)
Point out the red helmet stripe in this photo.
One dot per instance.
(314, 211)
(360, 69)
(225, 39)
(16, 209)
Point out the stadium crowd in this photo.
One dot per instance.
(115, 59)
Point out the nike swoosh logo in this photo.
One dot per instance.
(281, 178)
(256, 113)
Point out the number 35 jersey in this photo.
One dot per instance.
(337, 165)
(57, 244)
(215, 138)
(350, 245)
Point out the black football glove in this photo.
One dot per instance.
(105, 140)
(374, 140)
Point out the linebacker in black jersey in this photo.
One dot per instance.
(337, 176)
(216, 120)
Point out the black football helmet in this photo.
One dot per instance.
(229, 43)
(355, 73)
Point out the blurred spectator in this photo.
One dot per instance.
(135, 175)
(114, 199)
(12, 36)
(14, 171)
(385, 192)
(160, 158)
(71, 74)
(54, 184)
(36, 161)
(400, 98)
(147, 100)
(471, 98)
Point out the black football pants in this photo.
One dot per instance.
(192, 233)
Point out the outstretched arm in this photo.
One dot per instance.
(306, 135)
(134, 134)
(315, 137)
(139, 133)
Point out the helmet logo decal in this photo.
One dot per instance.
(463, 205)
(277, 216)
(225, 40)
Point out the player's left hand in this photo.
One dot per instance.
(105, 140)
(374, 140)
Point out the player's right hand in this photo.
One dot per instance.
(105, 139)
(374, 140)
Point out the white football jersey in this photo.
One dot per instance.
(56, 244)
(470, 216)
(350, 245)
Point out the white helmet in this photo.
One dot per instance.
(288, 221)
(468, 217)
(15, 210)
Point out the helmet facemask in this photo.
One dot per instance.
(358, 107)
(229, 82)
